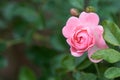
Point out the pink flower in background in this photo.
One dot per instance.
(84, 34)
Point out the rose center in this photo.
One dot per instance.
(80, 39)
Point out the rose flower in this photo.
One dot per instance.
(84, 34)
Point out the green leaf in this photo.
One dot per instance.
(112, 72)
(26, 74)
(111, 33)
(109, 55)
(84, 76)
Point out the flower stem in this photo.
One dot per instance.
(97, 69)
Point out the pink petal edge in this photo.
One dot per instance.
(92, 19)
(100, 42)
(70, 24)
(75, 53)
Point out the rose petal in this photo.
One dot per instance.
(70, 24)
(89, 19)
(92, 51)
(75, 53)
(100, 43)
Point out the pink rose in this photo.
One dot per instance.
(84, 34)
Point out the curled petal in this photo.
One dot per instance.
(91, 51)
(72, 21)
(89, 18)
(70, 25)
(100, 28)
(100, 42)
(75, 53)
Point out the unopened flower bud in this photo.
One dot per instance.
(74, 12)
(90, 9)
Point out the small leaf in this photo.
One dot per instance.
(112, 72)
(112, 32)
(109, 55)
(26, 74)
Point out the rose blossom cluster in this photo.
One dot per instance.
(84, 34)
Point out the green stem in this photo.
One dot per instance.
(97, 69)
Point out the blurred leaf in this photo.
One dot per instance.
(3, 46)
(31, 15)
(111, 33)
(3, 62)
(68, 62)
(2, 24)
(94, 4)
(26, 13)
(41, 22)
(117, 64)
(8, 10)
(77, 3)
(56, 64)
(112, 72)
(36, 1)
(29, 36)
(109, 55)
(58, 42)
(86, 63)
(26, 74)
(82, 62)
(112, 6)
(40, 55)
(84, 76)
(79, 60)
(20, 29)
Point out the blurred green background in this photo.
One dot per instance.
(32, 46)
